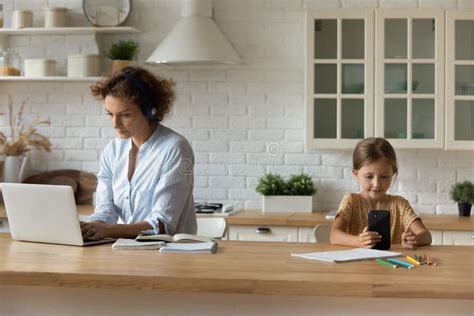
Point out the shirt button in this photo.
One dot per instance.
(126, 197)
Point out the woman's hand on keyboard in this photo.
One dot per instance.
(93, 230)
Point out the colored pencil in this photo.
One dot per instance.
(401, 263)
(385, 263)
(413, 260)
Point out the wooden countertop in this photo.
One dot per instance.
(237, 267)
(257, 217)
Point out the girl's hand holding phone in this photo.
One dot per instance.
(409, 240)
(368, 239)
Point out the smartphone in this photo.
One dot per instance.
(379, 221)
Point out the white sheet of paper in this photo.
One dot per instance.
(347, 255)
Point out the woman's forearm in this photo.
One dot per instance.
(126, 230)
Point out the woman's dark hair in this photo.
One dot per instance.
(373, 149)
(134, 84)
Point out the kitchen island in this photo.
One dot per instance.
(241, 278)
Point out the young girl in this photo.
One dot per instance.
(375, 167)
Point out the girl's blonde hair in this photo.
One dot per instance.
(373, 149)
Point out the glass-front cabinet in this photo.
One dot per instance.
(409, 77)
(339, 78)
(405, 75)
(460, 80)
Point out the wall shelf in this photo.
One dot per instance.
(98, 32)
(49, 79)
(70, 30)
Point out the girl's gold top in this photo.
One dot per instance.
(353, 211)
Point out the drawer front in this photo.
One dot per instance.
(263, 233)
(458, 238)
(306, 234)
(437, 237)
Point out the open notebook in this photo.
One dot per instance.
(178, 238)
(123, 243)
(200, 247)
(356, 254)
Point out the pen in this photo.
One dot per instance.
(413, 260)
(385, 263)
(401, 263)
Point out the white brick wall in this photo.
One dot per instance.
(242, 121)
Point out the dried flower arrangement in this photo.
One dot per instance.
(23, 137)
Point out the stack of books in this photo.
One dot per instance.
(167, 243)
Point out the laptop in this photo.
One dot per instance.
(44, 213)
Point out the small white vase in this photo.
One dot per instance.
(288, 203)
(14, 168)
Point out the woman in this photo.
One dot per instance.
(146, 175)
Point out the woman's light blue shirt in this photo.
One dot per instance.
(161, 188)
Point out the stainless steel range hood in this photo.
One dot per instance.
(195, 40)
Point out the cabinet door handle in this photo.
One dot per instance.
(472, 236)
(263, 230)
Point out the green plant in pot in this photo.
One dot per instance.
(122, 53)
(463, 194)
(294, 195)
(300, 185)
(271, 184)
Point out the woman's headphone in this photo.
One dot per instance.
(149, 106)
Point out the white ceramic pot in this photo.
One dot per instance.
(14, 168)
(40, 67)
(22, 19)
(288, 203)
(85, 65)
(55, 17)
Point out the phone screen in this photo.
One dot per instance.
(379, 221)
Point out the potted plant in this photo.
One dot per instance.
(22, 138)
(122, 53)
(463, 194)
(294, 195)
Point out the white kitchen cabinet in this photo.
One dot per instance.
(409, 77)
(458, 238)
(417, 67)
(460, 80)
(339, 77)
(306, 234)
(437, 237)
(263, 233)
